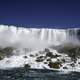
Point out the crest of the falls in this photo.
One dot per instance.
(31, 37)
(36, 37)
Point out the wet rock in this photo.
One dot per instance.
(49, 54)
(63, 60)
(72, 64)
(1, 58)
(47, 50)
(40, 59)
(45, 62)
(27, 66)
(55, 65)
(56, 55)
(36, 54)
(31, 55)
(65, 68)
(25, 56)
(48, 59)
(78, 62)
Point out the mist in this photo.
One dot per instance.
(11, 36)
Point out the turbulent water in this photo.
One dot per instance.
(40, 37)
(29, 48)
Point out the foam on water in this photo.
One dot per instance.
(35, 40)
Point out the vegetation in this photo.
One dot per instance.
(5, 52)
(73, 52)
(1, 57)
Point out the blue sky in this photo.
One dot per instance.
(40, 12)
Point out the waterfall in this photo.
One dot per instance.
(36, 37)
(30, 41)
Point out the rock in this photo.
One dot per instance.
(48, 59)
(55, 56)
(49, 54)
(78, 62)
(40, 59)
(72, 64)
(31, 55)
(47, 50)
(25, 56)
(45, 62)
(55, 65)
(1, 58)
(63, 60)
(27, 66)
(36, 54)
(65, 68)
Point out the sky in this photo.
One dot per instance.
(40, 12)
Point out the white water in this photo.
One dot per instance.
(32, 38)
(28, 37)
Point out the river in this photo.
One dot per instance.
(37, 74)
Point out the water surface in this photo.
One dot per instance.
(37, 74)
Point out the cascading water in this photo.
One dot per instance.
(30, 41)
(43, 37)
(28, 37)
(73, 36)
